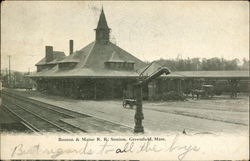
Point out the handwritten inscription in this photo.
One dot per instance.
(146, 145)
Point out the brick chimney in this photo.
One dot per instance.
(71, 47)
(49, 53)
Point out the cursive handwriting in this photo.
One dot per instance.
(106, 147)
(128, 147)
(148, 147)
(53, 153)
(186, 148)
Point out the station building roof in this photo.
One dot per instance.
(58, 55)
(90, 60)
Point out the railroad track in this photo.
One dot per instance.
(39, 117)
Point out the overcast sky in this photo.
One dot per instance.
(148, 30)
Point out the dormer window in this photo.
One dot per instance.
(119, 65)
(116, 63)
(66, 65)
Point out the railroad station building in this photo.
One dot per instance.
(102, 70)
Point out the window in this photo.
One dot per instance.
(119, 65)
(67, 65)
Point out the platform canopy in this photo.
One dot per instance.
(226, 74)
(210, 74)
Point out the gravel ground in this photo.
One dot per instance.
(219, 115)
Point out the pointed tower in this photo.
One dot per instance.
(102, 30)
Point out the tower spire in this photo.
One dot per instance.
(102, 30)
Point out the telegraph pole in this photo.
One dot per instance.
(9, 71)
(7, 75)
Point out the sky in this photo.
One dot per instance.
(148, 30)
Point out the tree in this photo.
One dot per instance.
(195, 64)
(245, 65)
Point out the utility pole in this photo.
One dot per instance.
(7, 78)
(9, 71)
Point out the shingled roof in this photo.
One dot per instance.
(115, 58)
(91, 62)
(58, 55)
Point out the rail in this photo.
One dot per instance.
(22, 106)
